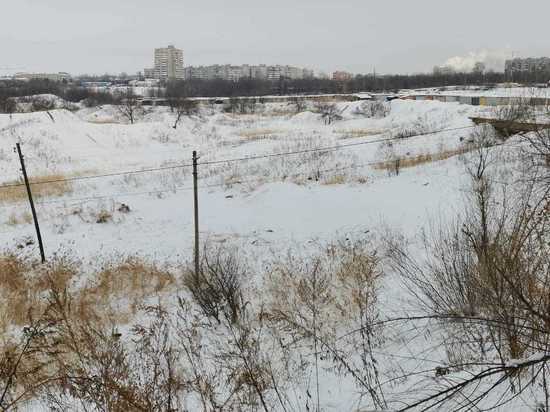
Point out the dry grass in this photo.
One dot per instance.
(279, 112)
(117, 292)
(16, 219)
(19, 193)
(343, 279)
(135, 276)
(103, 121)
(23, 286)
(122, 287)
(258, 134)
(338, 179)
(103, 216)
(406, 162)
(357, 133)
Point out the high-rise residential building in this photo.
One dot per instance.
(258, 72)
(274, 72)
(168, 64)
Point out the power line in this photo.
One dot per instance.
(127, 194)
(362, 165)
(246, 158)
(239, 182)
(114, 195)
(330, 148)
(123, 173)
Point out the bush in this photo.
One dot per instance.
(42, 104)
(217, 288)
(7, 105)
(76, 94)
(492, 263)
(99, 98)
(329, 112)
(373, 109)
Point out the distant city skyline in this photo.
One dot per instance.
(356, 36)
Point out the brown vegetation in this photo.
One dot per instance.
(486, 278)
(22, 286)
(336, 179)
(357, 133)
(130, 279)
(259, 134)
(406, 162)
(39, 186)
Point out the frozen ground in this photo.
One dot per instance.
(523, 92)
(298, 207)
(267, 204)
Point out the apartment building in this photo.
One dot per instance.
(245, 71)
(168, 64)
(341, 76)
(527, 65)
(54, 77)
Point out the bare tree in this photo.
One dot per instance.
(329, 112)
(373, 109)
(537, 154)
(7, 105)
(486, 281)
(232, 105)
(183, 106)
(299, 103)
(128, 105)
(391, 161)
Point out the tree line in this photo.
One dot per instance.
(76, 92)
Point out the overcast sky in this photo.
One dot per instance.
(397, 36)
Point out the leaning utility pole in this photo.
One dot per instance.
(196, 207)
(33, 210)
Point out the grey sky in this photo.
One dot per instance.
(403, 36)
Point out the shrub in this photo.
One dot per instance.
(104, 216)
(394, 166)
(99, 98)
(7, 105)
(373, 109)
(41, 104)
(217, 288)
(328, 111)
(490, 264)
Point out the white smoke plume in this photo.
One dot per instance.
(493, 60)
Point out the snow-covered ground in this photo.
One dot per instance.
(277, 193)
(523, 92)
(323, 188)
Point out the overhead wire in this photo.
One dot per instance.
(227, 184)
(331, 148)
(246, 158)
(98, 176)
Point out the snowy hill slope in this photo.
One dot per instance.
(269, 182)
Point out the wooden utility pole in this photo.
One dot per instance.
(33, 210)
(196, 208)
